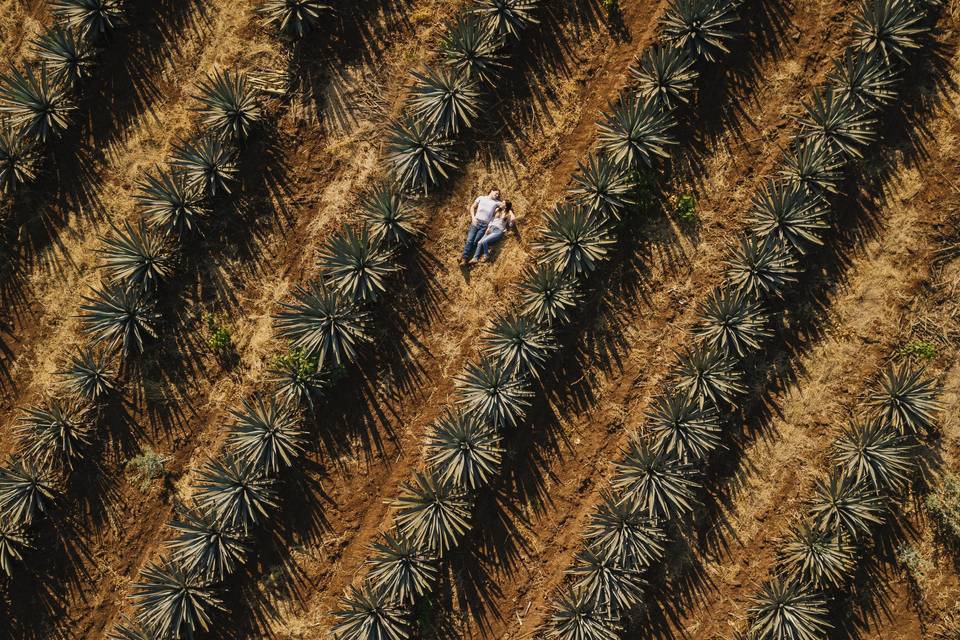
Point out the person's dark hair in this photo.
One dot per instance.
(493, 189)
(507, 206)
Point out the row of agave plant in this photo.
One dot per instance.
(655, 485)
(875, 461)
(237, 492)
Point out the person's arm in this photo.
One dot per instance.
(472, 210)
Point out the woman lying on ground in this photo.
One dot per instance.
(502, 222)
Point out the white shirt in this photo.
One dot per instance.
(486, 207)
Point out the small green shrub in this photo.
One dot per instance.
(685, 209)
(145, 468)
(919, 349)
(916, 564)
(943, 503)
(296, 358)
(219, 338)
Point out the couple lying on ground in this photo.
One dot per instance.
(490, 219)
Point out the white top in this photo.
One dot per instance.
(486, 207)
(499, 223)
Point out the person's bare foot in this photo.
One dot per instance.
(473, 261)
(484, 259)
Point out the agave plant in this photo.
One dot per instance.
(205, 547)
(297, 380)
(325, 324)
(473, 50)
(36, 102)
(906, 400)
(492, 393)
(622, 531)
(445, 100)
(761, 267)
(265, 435)
(294, 17)
(54, 434)
(367, 613)
(519, 343)
(133, 630)
(209, 162)
(788, 611)
(236, 493)
(684, 427)
(229, 105)
(700, 27)
(463, 451)
(68, 58)
(400, 569)
(574, 240)
(389, 216)
(814, 164)
(636, 132)
(89, 375)
(732, 322)
(547, 295)
(432, 513)
(871, 451)
(708, 376)
(863, 78)
(842, 124)
(814, 556)
(890, 28)
(786, 212)
(18, 158)
(355, 264)
(418, 154)
(843, 505)
(508, 17)
(653, 482)
(25, 492)
(92, 18)
(171, 201)
(120, 317)
(665, 76)
(175, 602)
(606, 581)
(603, 187)
(136, 257)
(14, 541)
(577, 616)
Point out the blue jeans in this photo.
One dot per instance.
(474, 233)
(483, 247)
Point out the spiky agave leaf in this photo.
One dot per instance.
(574, 240)
(18, 158)
(432, 513)
(683, 427)
(890, 28)
(120, 317)
(298, 381)
(843, 505)
(872, 451)
(788, 611)
(621, 530)
(519, 343)
(508, 17)
(445, 100)
(229, 105)
(89, 375)
(92, 18)
(864, 79)
(133, 630)
(36, 102)
(653, 482)
(209, 162)
(463, 451)
(236, 493)
(25, 492)
(577, 616)
(761, 267)
(606, 581)
(547, 295)
(136, 257)
(636, 132)
(841, 124)
(700, 27)
(813, 556)
(491, 392)
(665, 75)
(294, 17)
(709, 376)
(400, 569)
(65, 56)
(355, 264)
(206, 547)
(391, 218)
(177, 603)
(786, 212)
(419, 156)
(14, 541)
(473, 50)
(815, 165)
(603, 187)
(54, 434)
(265, 435)
(171, 201)
(906, 400)
(732, 322)
(367, 613)
(325, 324)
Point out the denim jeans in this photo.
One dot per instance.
(483, 247)
(474, 233)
